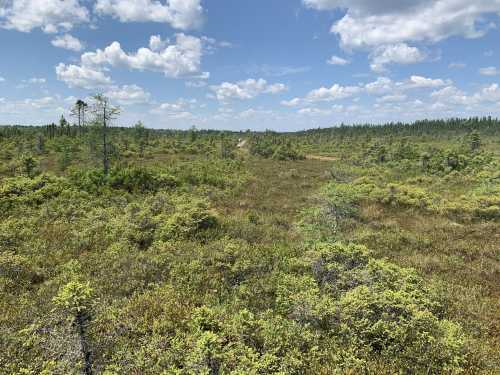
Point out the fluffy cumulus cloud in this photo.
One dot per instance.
(382, 85)
(335, 92)
(384, 91)
(49, 15)
(178, 110)
(39, 110)
(453, 95)
(68, 42)
(399, 53)
(128, 95)
(491, 93)
(82, 76)
(179, 60)
(291, 103)
(419, 81)
(180, 14)
(387, 28)
(174, 60)
(324, 94)
(248, 89)
(372, 23)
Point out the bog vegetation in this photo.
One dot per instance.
(351, 250)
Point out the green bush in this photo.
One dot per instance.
(20, 191)
(373, 307)
(191, 216)
(132, 180)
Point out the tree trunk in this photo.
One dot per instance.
(105, 161)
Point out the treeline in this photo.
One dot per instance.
(485, 125)
(439, 128)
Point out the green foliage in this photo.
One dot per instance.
(75, 297)
(277, 149)
(475, 141)
(29, 165)
(19, 191)
(376, 255)
(189, 219)
(373, 308)
(287, 152)
(132, 180)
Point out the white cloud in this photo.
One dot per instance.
(33, 110)
(489, 71)
(418, 82)
(128, 95)
(175, 60)
(68, 42)
(336, 92)
(310, 111)
(386, 86)
(44, 102)
(180, 109)
(291, 103)
(381, 86)
(248, 89)
(369, 23)
(491, 93)
(180, 14)
(49, 15)
(210, 45)
(457, 65)
(81, 76)
(323, 94)
(276, 88)
(384, 89)
(2, 79)
(335, 60)
(392, 98)
(399, 53)
(453, 95)
(252, 113)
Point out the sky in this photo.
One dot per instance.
(284, 65)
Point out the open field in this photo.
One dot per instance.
(351, 250)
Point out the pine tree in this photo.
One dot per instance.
(475, 141)
(104, 113)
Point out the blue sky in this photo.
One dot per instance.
(260, 64)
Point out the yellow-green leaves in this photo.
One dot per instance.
(75, 297)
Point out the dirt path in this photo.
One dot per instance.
(322, 158)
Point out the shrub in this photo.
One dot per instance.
(16, 272)
(30, 191)
(374, 308)
(189, 218)
(287, 152)
(132, 180)
(74, 297)
(389, 323)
